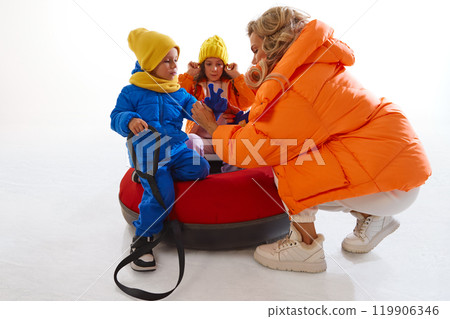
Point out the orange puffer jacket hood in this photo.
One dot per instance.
(326, 137)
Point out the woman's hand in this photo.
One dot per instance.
(193, 69)
(232, 70)
(204, 117)
(137, 125)
(225, 118)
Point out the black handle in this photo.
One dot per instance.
(174, 226)
(149, 177)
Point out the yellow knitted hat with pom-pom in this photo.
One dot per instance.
(150, 47)
(213, 47)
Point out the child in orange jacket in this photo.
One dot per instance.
(213, 68)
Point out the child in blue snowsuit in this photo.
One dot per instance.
(155, 98)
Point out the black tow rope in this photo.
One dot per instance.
(174, 226)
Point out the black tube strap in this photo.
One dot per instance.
(173, 225)
(149, 177)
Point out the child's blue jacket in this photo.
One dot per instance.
(163, 111)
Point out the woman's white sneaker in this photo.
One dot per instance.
(292, 254)
(368, 232)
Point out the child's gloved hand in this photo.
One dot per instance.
(215, 102)
(241, 118)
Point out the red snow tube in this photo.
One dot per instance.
(224, 211)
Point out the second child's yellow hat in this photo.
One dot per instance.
(213, 47)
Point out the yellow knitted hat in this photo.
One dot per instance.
(150, 47)
(213, 47)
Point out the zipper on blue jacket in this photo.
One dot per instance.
(161, 115)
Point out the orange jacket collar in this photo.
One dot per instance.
(315, 44)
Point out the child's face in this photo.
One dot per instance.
(167, 68)
(213, 69)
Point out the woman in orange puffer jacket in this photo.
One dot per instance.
(332, 144)
(213, 68)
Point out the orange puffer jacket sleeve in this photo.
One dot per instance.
(187, 82)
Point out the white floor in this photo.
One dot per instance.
(61, 229)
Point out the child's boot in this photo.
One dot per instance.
(368, 232)
(145, 262)
(292, 254)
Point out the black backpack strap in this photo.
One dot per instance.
(154, 187)
(149, 177)
(174, 226)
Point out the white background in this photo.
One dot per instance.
(62, 66)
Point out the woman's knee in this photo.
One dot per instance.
(384, 203)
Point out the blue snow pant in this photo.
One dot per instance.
(184, 164)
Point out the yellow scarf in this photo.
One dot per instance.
(147, 81)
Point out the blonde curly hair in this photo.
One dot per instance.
(279, 27)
